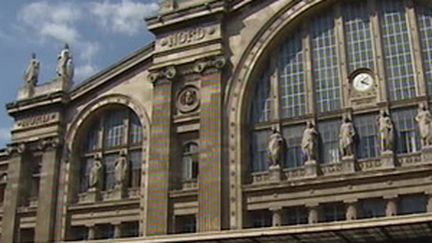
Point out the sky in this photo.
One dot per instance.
(99, 33)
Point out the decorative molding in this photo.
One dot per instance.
(188, 99)
(189, 36)
(48, 143)
(217, 62)
(165, 73)
(19, 149)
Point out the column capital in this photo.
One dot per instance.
(48, 144)
(16, 149)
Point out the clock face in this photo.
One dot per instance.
(363, 82)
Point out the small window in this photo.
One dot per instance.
(104, 231)
(297, 215)
(261, 218)
(78, 233)
(130, 229)
(333, 212)
(371, 208)
(185, 224)
(27, 235)
(411, 204)
(406, 131)
(190, 161)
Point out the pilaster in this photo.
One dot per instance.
(47, 198)
(14, 194)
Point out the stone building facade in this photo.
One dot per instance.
(244, 121)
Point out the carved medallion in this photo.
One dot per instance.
(188, 99)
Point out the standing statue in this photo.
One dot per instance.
(65, 67)
(386, 131)
(121, 170)
(309, 142)
(424, 120)
(346, 138)
(31, 74)
(96, 174)
(275, 148)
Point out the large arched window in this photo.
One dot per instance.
(306, 79)
(112, 131)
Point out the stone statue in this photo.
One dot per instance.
(96, 174)
(346, 138)
(121, 170)
(32, 72)
(424, 120)
(309, 142)
(275, 148)
(386, 131)
(65, 67)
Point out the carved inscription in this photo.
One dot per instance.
(36, 120)
(187, 36)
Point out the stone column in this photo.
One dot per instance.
(429, 203)
(351, 211)
(277, 218)
(313, 217)
(47, 198)
(391, 207)
(14, 195)
(158, 167)
(91, 232)
(210, 158)
(117, 230)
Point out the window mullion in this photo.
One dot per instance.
(414, 37)
(341, 57)
(378, 54)
(274, 86)
(307, 63)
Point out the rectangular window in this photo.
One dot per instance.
(261, 218)
(411, 204)
(397, 52)
(368, 144)
(130, 229)
(293, 137)
(185, 224)
(329, 134)
(371, 208)
(136, 131)
(109, 162)
(424, 17)
(136, 163)
(261, 104)
(292, 92)
(259, 150)
(114, 129)
(358, 35)
(104, 231)
(78, 233)
(333, 212)
(297, 215)
(325, 63)
(27, 235)
(407, 137)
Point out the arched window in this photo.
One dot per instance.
(113, 131)
(305, 79)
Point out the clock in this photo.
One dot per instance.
(363, 81)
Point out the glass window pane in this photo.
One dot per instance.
(293, 136)
(410, 204)
(291, 75)
(333, 212)
(329, 134)
(368, 144)
(85, 171)
(424, 15)
(358, 35)
(92, 138)
(114, 129)
(325, 63)
(261, 103)
(407, 137)
(109, 162)
(259, 150)
(135, 130)
(372, 208)
(136, 164)
(399, 64)
(297, 215)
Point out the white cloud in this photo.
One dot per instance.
(5, 134)
(85, 71)
(49, 20)
(125, 17)
(89, 50)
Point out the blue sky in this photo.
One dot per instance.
(99, 32)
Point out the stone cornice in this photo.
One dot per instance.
(40, 101)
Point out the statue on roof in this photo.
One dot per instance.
(65, 66)
(31, 74)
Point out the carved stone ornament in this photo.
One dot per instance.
(16, 148)
(31, 74)
(424, 120)
(188, 99)
(309, 142)
(386, 131)
(215, 62)
(346, 138)
(168, 73)
(275, 148)
(48, 143)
